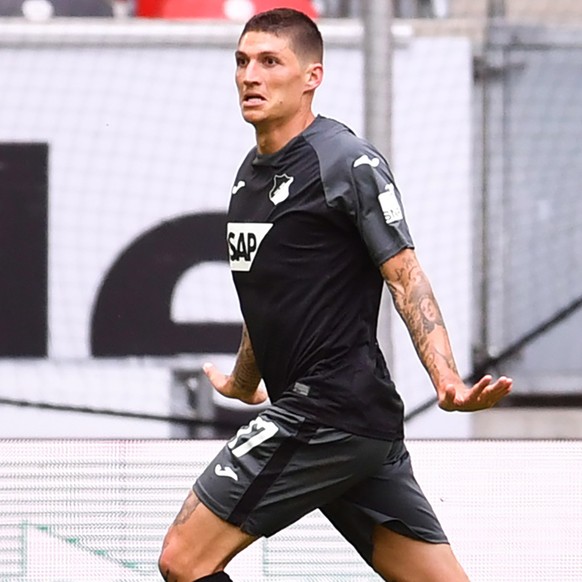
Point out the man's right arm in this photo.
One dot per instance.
(244, 381)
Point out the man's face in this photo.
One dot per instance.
(270, 78)
(428, 309)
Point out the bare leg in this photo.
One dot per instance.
(199, 543)
(398, 558)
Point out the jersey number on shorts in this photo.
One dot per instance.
(259, 429)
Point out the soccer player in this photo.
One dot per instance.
(315, 226)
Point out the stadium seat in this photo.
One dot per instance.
(62, 8)
(11, 8)
(216, 9)
(93, 8)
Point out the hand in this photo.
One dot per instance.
(225, 385)
(483, 394)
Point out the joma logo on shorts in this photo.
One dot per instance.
(225, 471)
(244, 239)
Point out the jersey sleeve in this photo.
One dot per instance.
(357, 182)
(361, 185)
(375, 205)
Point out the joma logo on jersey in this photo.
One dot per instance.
(244, 239)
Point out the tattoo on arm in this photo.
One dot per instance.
(415, 302)
(246, 374)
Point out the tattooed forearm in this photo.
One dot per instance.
(415, 302)
(246, 374)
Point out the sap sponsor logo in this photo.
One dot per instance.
(367, 161)
(390, 205)
(244, 239)
(280, 189)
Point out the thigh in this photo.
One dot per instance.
(391, 498)
(199, 543)
(400, 558)
(282, 466)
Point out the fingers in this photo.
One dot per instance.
(447, 400)
(489, 393)
(482, 384)
(502, 384)
(215, 376)
(502, 387)
(483, 394)
(209, 369)
(224, 385)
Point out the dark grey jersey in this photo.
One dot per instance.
(307, 230)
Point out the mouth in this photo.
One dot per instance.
(252, 99)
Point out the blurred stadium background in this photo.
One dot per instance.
(119, 138)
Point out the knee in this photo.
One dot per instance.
(167, 563)
(174, 564)
(179, 562)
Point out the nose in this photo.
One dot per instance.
(251, 73)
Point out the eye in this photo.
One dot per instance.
(240, 61)
(270, 61)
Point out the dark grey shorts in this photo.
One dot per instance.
(281, 466)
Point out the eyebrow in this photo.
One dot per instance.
(270, 53)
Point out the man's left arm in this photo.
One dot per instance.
(416, 304)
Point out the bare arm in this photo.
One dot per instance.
(244, 381)
(415, 302)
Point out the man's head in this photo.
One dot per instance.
(279, 67)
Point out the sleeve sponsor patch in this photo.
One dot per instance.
(390, 205)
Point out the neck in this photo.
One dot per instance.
(276, 135)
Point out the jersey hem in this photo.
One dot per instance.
(395, 433)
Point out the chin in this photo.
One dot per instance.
(253, 117)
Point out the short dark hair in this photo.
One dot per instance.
(305, 36)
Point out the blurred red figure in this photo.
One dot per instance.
(217, 9)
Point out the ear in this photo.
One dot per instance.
(313, 76)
